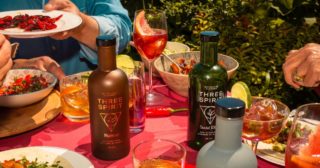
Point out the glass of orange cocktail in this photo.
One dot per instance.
(159, 153)
(303, 146)
(263, 120)
(74, 96)
(150, 38)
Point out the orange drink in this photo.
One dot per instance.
(74, 97)
(159, 163)
(263, 120)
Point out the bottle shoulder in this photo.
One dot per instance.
(199, 68)
(243, 157)
(116, 77)
(203, 72)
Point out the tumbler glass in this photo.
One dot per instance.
(159, 153)
(137, 97)
(74, 96)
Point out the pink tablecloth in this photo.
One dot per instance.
(76, 136)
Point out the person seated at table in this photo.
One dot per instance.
(43, 63)
(302, 67)
(75, 50)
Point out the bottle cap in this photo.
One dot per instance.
(209, 36)
(106, 40)
(230, 107)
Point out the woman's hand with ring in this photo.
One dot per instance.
(301, 67)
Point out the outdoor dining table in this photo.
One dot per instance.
(75, 136)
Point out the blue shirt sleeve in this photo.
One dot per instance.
(112, 19)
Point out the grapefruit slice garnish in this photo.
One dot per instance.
(305, 161)
(313, 147)
(314, 142)
(141, 25)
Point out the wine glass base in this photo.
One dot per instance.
(154, 99)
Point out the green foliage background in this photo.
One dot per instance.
(258, 33)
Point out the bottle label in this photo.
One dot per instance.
(208, 95)
(110, 111)
(209, 113)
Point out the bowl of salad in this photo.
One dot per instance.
(171, 48)
(178, 81)
(22, 87)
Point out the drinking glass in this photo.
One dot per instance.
(263, 120)
(74, 97)
(150, 37)
(159, 153)
(303, 146)
(137, 97)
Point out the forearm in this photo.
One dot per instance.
(87, 32)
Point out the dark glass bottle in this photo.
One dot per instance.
(108, 102)
(208, 82)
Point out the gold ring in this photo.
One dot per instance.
(297, 78)
(316, 84)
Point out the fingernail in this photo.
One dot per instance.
(48, 7)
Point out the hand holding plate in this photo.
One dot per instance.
(67, 6)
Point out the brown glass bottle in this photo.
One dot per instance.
(108, 103)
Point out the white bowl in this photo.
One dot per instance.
(19, 100)
(171, 47)
(179, 83)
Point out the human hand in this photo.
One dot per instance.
(5, 56)
(64, 5)
(43, 63)
(302, 67)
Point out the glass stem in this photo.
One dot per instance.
(254, 146)
(150, 77)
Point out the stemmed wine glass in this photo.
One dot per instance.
(150, 38)
(263, 120)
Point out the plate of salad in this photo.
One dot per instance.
(43, 157)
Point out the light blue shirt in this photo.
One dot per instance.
(73, 56)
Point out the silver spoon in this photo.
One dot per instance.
(14, 48)
(172, 61)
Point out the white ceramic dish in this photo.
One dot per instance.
(20, 100)
(66, 22)
(67, 158)
(179, 83)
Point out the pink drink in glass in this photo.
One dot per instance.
(151, 46)
(137, 104)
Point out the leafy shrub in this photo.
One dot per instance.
(258, 33)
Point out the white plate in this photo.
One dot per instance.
(67, 158)
(66, 22)
(265, 151)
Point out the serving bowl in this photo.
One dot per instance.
(19, 100)
(171, 48)
(179, 83)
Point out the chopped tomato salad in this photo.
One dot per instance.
(29, 22)
(187, 65)
(23, 85)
